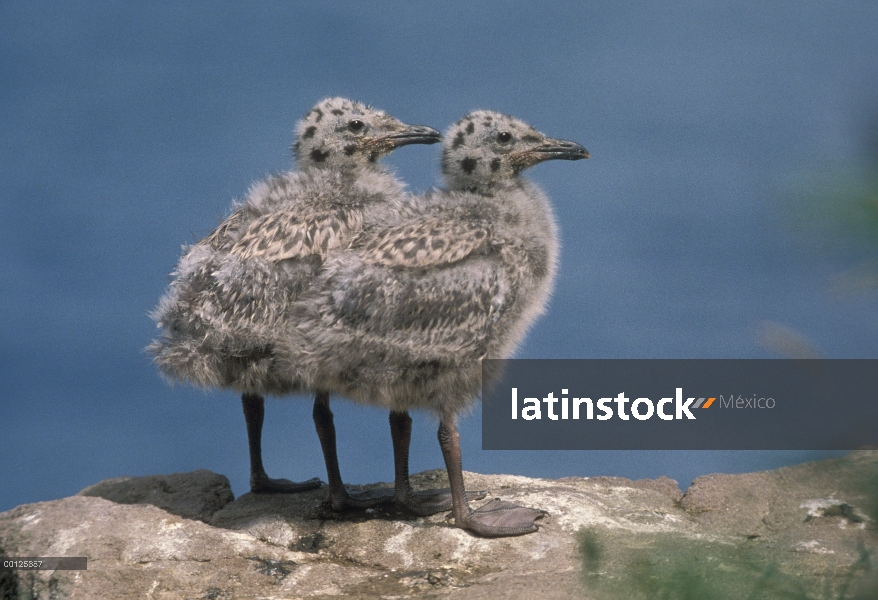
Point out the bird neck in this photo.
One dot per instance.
(488, 188)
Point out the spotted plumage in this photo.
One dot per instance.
(403, 317)
(426, 242)
(285, 235)
(489, 158)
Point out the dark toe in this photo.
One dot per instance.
(429, 502)
(361, 500)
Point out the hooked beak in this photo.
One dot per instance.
(411, 134)
(559, 149)
(408, 134)
(549, 149)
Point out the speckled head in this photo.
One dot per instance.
(339, 133)
(485, 148)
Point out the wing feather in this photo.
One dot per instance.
(427, 312)
(223, 236)
(282, 235)
(425, 243)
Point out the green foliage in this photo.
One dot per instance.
(869, 486)
(673, 569)
(840, 208)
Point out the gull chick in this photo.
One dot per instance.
(231, 290)
(403, 318)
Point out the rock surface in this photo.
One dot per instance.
(809, 528)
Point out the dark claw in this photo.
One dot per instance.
(499, 518)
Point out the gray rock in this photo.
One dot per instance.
(799, 530)
(195, 495)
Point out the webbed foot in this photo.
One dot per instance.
(266, 485)
(499, 518)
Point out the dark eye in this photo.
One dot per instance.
(504, 136)
(356, 125)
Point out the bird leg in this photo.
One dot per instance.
(339, 498)
(254, 414)
(421, 503)
(497, 518)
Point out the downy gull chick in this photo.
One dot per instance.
(231, 289)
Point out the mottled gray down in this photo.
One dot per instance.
(231, 290)
(404, 316)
